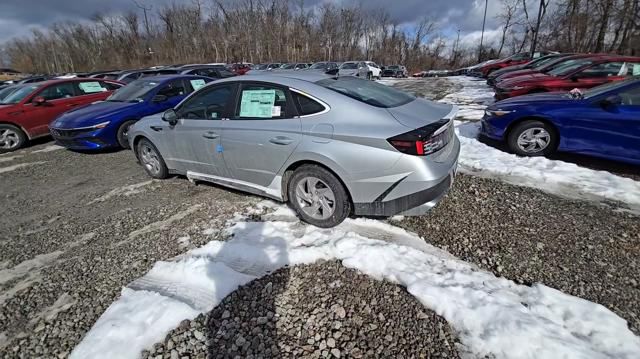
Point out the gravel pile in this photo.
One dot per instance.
(323, 310)
(64, 260)
(584, 249)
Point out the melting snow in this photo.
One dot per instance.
(493, 316)
(48, 149)
(472, 98)
(557, 177)
(125, 191)
(19, 165)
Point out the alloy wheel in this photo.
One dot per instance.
(534, 140)
(315, 198)
(9, 139)
(150, 159)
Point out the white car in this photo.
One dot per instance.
(364, 69)
(374, 69)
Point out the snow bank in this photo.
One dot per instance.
(48, 149)
(557, 177)
(493, 316)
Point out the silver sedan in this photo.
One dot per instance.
(329, 146)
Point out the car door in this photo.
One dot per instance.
(194, 141)
(363, 69)
(59, 98)
(262, 133)
(621, 125)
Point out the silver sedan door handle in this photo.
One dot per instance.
(210, 134)
(281, 140)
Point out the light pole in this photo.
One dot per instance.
(484, 20)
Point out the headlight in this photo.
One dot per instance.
(496, 113)
(101, 125)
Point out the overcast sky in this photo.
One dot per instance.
(17, 17)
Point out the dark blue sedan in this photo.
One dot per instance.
(602, 122)
(105, 124)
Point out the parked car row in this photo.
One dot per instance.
(580, 103)
(306, 138)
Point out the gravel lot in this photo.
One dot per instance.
(317, 311)
(75, 228)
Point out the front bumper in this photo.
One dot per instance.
(80, 139)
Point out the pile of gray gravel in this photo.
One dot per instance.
(322, 310)
(581, 248)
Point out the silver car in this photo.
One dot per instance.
(329, 146)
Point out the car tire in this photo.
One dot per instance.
(11, 138)
(151, 159)
(532, 138)
(121, 135)
(369, 76)
(318, 197)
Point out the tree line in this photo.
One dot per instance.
(285, 30)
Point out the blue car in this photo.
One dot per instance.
(105, 124)
(601, 122)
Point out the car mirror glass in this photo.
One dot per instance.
(170, 116)
(613, 100)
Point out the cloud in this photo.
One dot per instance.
(17, 17)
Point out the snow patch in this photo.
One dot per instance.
(9, 159)
(472, 99)
(28, 266)
(48, 149)
(62, 304)
(124, 191)
(160, 225)
(494, 316)
(20, 165)
(560, 178)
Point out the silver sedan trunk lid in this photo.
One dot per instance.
(419, 113)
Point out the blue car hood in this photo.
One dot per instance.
(536, 99)
(93, 114)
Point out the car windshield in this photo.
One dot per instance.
(319, 66)
(225, 72)
(288, 66)
(349, 66)
(19, 94)
(369, 92)
(260, 67)
(569, 67)
(133, 92)
(543, 62)
(393, 67)
(8, 91)
(599, 90)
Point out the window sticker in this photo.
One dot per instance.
(257, 103)
(214, 115)
(196, 84)
(275, 111)
(636, 69)
(91, 87)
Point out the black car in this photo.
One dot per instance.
(212, 71)
(394, 71)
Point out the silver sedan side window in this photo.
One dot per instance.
(210, 104)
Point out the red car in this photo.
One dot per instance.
(240, 69)
(27, 112)
(582, 74)
(515, 59)
(555, 63)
